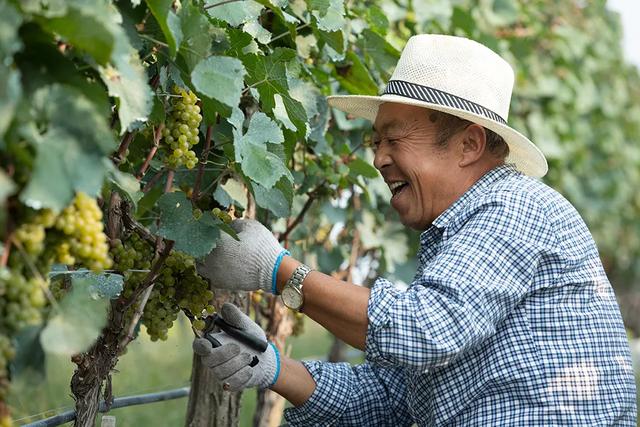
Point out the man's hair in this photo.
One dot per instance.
(448, 125)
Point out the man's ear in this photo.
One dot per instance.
(473, 143)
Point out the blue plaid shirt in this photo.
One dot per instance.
(509, 321)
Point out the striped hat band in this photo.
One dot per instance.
(436, 96)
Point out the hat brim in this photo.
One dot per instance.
(526, 157)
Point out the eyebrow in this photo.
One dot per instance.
(387, 125)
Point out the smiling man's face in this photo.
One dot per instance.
(424, 179)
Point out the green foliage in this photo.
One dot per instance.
(77, 321)
(77, 77)
(195, 236)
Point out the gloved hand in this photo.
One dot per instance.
(246, 265)
(230, 362)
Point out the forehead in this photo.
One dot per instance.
(392, 116)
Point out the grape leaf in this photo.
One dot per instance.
(7, 187)
(196, 41)
(359, 167)
(261, 166)
(269, 75)
(378, 52)
(84, 31)
(10, 21)
(355, 77)
(262, 130)
(220, 78)
(236, 14)
(70, 155)
(257, 31)
(77, 321)
(222, 197)
(40, 65)
(273, 199)
(329, 14)
(10, 94)
(256, 161)
(169, 23)
(101, 285)
(195, 237)
(127, 81)
(127, 185)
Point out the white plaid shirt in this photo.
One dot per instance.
(509, 321)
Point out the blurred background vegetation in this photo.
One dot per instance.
(575, 97)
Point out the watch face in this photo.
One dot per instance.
(291, 298)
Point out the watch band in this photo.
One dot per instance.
(296, 279)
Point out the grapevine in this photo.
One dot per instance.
(181, 131)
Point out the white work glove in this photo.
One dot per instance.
(230, 362)
(245, 265)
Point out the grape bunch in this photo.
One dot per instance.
(224, 216)
(177, 287)
(22, 301)
(181, 131)
(31, 234)
(84, 242)
(7, 353)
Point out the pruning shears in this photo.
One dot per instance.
(237, 333)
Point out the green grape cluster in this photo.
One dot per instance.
(181, 131)
(223, 215)
(84, 243)
(177, 287)
(31, 234)
(22, 301)
(7, 353)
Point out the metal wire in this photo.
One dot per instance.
(119, 402)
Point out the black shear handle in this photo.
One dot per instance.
(239, 334)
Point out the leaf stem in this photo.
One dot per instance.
(122, 149)
(151, 39)
(281, 35)
(156, 144)
(312, 196)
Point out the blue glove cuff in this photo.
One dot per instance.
(274, 275)
(277, 374)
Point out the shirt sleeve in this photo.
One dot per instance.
(475, 280)
(348, 395)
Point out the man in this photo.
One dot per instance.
(510, 319)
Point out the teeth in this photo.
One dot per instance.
(394, 185)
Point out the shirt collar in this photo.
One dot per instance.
(495, 174)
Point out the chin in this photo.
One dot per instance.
(413, 224)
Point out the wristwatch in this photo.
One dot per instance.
(292, 292)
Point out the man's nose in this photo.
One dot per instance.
(382, 157)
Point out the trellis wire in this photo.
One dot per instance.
(119, 402)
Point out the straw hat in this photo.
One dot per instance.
(458, 76)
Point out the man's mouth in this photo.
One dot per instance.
(397, 187)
